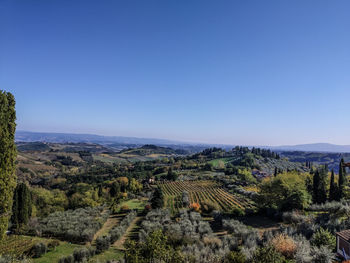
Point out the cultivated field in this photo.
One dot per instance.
(201, 191)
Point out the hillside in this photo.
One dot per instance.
(317, 158)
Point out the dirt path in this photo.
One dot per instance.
(130, 232)
(108, 225)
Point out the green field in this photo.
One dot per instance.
(64, 249)
(216, 162)
(109, 254)
(135, 204)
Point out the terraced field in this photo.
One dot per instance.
(200, 191)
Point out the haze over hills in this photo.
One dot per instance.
(27, 136)
(314, 147)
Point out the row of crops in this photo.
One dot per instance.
(200, 192)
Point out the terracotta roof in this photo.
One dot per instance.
(344, 234)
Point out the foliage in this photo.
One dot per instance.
(48, 201)
(324, 238)
(235, 257)
(286, 191)
(155, 249)
(320, 185)
(284, 245)
(78, 225)
(7, 157)
(39, 249)
(22, 206)
(267, 254)
(322, 255)
(157, 200)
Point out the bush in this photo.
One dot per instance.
(322, 255)
(67, 259)
(195, 207)
(124, 208)
(39, 249)
(102, 244)
(237, 212)
(53, 244)
(209, 206)
(235, 257)
(284, 245)
(324, 238)
(81, 254)
(78, 225)
(267, 255)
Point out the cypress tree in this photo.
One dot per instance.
(319, 185)
(157, 200)
(7, 158)
(342, 179)
(332, 188)
(22, 206)
(316, 184)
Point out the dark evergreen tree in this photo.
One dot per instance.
(22, 206)
(115, 189)
(157, 200)
(319, 185)
(315, 186)
(342, 180)
(332, 188)
(7, 158)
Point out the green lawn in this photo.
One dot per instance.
(109, 254)
(134, 204)
(216, 162)
(64, 249)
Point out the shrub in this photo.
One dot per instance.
(324, 238)
(39, 249)
(102, 244)
(237, 212)
(235, 257)
(53, 244)
(209, 206)
(267, 255)
(67, 259)
(81, 254)
(78, 225)
(195, 207)
(124, 208)
(322, 255)
(294, 217)
(284, 245)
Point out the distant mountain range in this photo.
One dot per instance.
(313, 147)
(26, 136)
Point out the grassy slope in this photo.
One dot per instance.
(64, 249)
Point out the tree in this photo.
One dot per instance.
(286, 191)
(320, 185)
(267, 254)
(342, 179)
(323, 238)
(235, 257)
(156, 248)
(7, 157)
(115, 189)
(157, 200)
(135, 186)
(22, 206)
(332, 188)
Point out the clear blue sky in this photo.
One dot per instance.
(237, 72)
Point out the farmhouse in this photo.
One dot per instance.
(343, 243)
